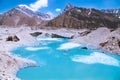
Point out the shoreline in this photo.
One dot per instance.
(14, 62)
(90, 38)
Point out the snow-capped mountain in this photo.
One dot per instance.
(72, 16)
(25, 9)
(114, 12)
(23, 15)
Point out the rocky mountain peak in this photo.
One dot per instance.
(30, 12)
(68, 7)
(25, 9)
(90, 18)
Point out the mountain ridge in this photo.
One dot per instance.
(114, 12)
(22, 15)
(71, 17)
(77, 17)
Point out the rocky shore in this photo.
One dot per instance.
(10, 38)
(102, 38)
(11, 64)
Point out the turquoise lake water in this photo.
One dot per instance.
(59, 59)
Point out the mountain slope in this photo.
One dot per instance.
(114, 12)
(22, 15)
(31, 13)
(15, 17)
(75, 17)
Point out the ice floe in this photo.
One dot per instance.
(68, 45)
(96, 57)
(48, 39)
(35, 48)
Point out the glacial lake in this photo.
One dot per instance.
(60, 59)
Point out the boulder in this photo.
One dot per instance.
(12, 38)
(84, 48)
(84, 33)
(35, 34)
(59, 36)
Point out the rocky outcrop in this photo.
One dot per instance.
(80, 18)
(35, 34)
(13, 38)
(84, 48)
(9, 65)
(111, 45)
(84, 33)
(59, 36)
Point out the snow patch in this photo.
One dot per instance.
(89, 11)
(79, 11)
(48, 39)
(49, 16)
(35, 48)
(117, 11)
(96, 57)
(23, 12)
(68, 45)
(24, 6)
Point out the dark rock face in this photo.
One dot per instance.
(84, 48)
(84, 33)
(35, 34)
(119, 44)
(59, 36)
(103, 44)
(80, 18)
(13, 38)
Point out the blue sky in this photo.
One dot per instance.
(56, 6)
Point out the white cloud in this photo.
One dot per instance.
(38, 4)
(57, 9)
(23, 5)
